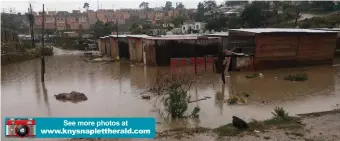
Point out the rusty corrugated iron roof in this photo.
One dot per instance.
(281, 30)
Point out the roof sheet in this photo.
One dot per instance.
(119, 36)
(178, 38)
(222, 34)
(328, 29)
(138, 36)
(286, 30)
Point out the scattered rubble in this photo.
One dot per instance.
(254, 75)
(146, 97)
(73, 97)
(103, 59)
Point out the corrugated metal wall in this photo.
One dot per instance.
(150, 51)
(316, 49)
(135, 49)
(114, 48)
(289, 50)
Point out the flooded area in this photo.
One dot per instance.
(113, 90)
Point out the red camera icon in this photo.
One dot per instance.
(20, 127)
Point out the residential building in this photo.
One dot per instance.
(83, 21)
(60, 22)
(167, 25)
(51, 12)
(192, 27)
(72, 21)
(92, 17)
(76, 11)
(50, 22)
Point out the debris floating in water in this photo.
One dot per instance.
(73, 97)
(146, 97)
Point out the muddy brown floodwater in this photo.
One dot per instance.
(113, 91)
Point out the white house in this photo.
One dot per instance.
(192, 27)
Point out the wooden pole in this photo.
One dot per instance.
(31, 18)
(43, 48)
(205, 63)
(117, 38)
(195, 58)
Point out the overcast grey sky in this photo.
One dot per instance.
(68, 5)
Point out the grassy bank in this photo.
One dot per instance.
(25, 54)
(280, 126)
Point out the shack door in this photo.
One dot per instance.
(124, 50)
(162, 55)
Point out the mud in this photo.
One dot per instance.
(74, 97)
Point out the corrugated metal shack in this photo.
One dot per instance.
(338, 37)
(224, 38)
(107, 46)
(279, 47)
(119, 47)
(102, 45)
(160, 50)
(136, 48)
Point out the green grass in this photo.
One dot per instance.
(302, 76)
(291, 123)
(253, 75)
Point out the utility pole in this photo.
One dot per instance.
(117, 37)
(31, 18)
(43, 47)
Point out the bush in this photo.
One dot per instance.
(173, 89)
(195, 112)
(176, 102)
(297, 77)
(233, 100)
(279, 112)
(253, 75)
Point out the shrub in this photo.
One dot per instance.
(173, 90)
(233, 100)
(253, 75)
(297, 77)
(279, 112)
(176, 102)
(195, 112)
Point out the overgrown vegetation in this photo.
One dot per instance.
(238, 98)
(280, 120)
(195, 112)
(172, 89)
(302, 76)
(253, 75)
(279, 112)
(21, 53)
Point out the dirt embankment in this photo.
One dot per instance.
(323, 126)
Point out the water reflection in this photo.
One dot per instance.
(113, 88)
(45, 94)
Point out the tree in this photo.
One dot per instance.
(101, 29)
(180, 5)
(144, 5)
(86, 6)
(232, 2)
(200, 12)
(136, 29)
(168, 5)
(210, 5)
(179, 20)
(256, 14)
